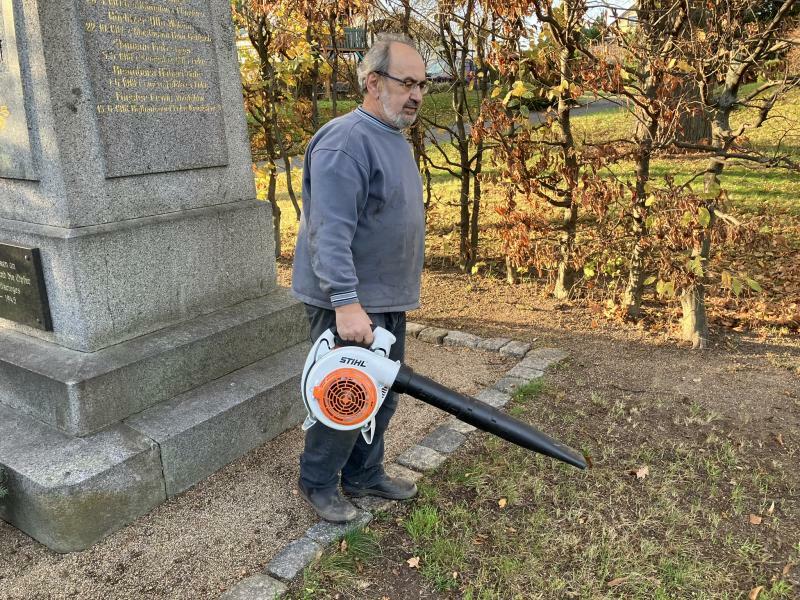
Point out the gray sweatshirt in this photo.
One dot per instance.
(362, 232)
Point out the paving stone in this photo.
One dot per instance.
(325, 533)
(542, 358)
(294, 558)
(493, 344)
(395, 470)
(443, 440)
(494, 397)
(523, 372)
(413, 329)
(257, 587)
(373, 504)
(515, 348)
(421, 458)
(509, 384)
(459, 426)
(461, 338)
(432, 335)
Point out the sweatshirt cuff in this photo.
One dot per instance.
(342, 298)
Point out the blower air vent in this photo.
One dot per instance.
(346, 396)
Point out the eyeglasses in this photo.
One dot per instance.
(408, 83)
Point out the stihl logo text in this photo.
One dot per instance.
(352, 361)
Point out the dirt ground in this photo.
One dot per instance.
(227, 527)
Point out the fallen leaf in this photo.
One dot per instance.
(786, 569)
(617, 581)
(779, 437)
(755, 592)
(771, 509)
(755, 520)
(343, 546)
(641, 472)
(455, 575)
(502, 502)
(413, 562)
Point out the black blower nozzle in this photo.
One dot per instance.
(483, 416)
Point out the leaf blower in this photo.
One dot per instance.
(343, 387)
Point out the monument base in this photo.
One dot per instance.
(68, 491)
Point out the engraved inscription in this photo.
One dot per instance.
(155, 83)
(16, 160)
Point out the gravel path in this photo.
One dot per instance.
(230, 525)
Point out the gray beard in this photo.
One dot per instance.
(398, 119)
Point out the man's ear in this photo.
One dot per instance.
(373, 81)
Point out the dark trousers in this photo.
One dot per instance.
(328, 451)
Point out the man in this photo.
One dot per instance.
(359, 257)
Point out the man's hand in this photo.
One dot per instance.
(353, 324)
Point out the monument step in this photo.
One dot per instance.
(68, 492)
(80, 393)
(206, 428)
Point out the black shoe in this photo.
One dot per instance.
(329, 504)
(393, 488)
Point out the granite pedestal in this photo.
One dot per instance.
(169, 350)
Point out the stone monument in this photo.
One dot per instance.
(144, 342)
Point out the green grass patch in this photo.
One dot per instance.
(339, 566)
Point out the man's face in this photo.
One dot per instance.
(400, 104)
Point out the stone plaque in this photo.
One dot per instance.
(16, 161)
(153, 68)
(23, 297)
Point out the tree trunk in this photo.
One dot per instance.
(566, 272)
(314, 80)
(645, 136)
(278, 139)
(335, 69)
(464, 255)
(512, 277)
(694, 324)
(276, 210)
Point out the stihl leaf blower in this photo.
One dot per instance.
(343, 387)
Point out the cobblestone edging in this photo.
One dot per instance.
(429, 453)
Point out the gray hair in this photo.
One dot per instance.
(377, 57)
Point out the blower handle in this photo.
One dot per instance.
(382, 342)
(341, 342)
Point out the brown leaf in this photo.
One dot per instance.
(779, 437)
(502, 502)
(755, 520)
(771, 509)
(617, 581)
(413, 562)
(786, 569)
(755, 592)
(641, 472)
(343, 546)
